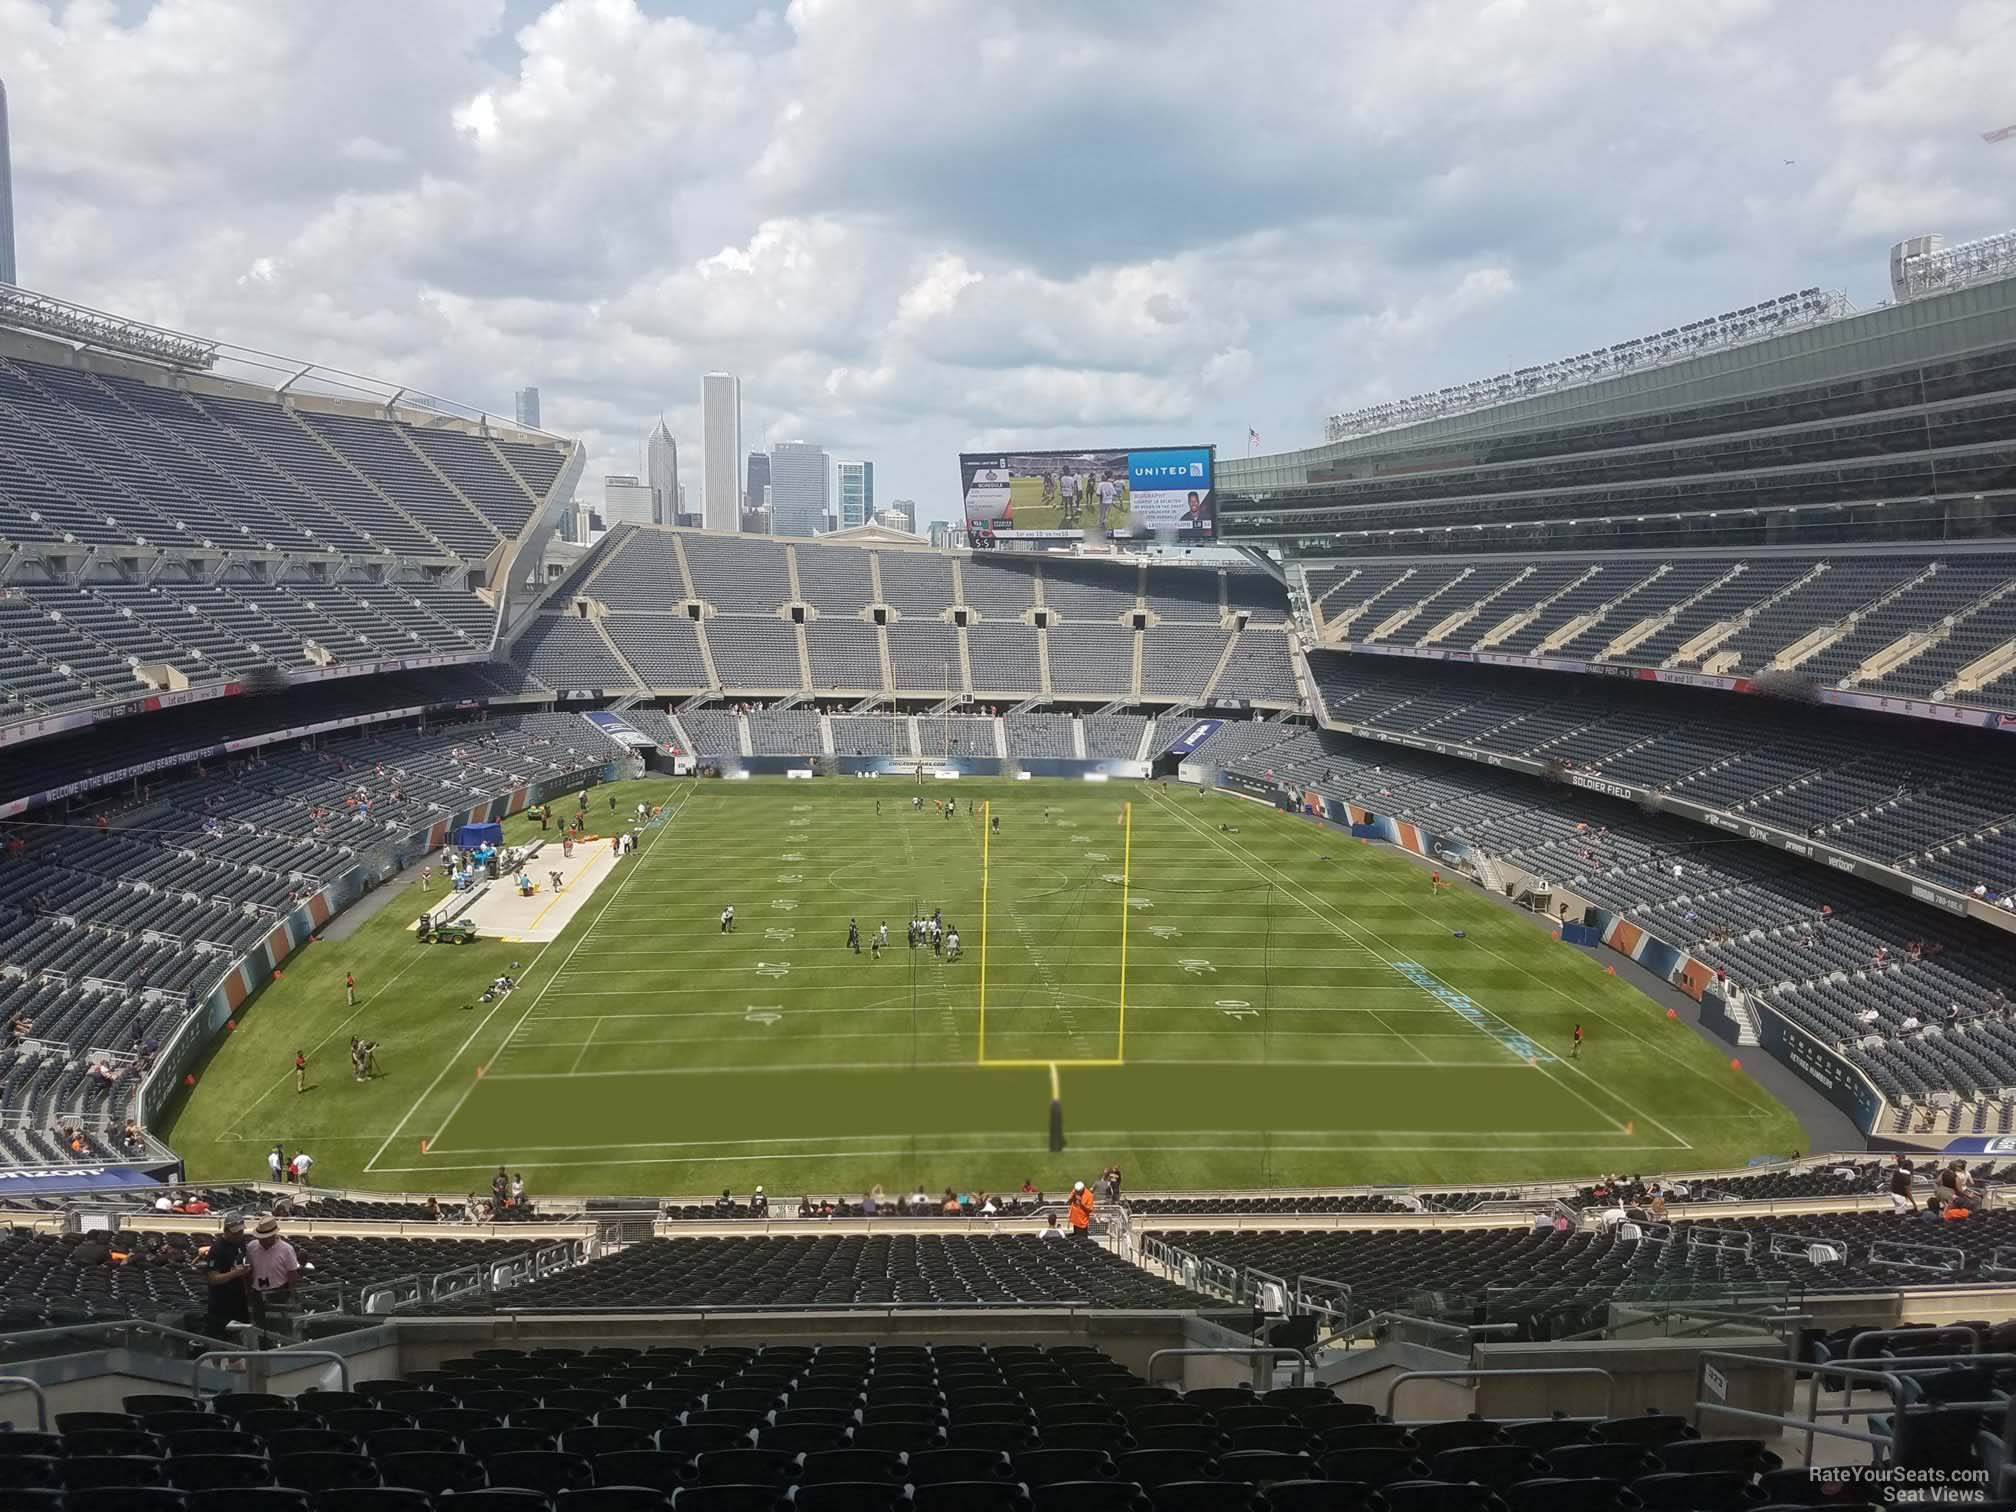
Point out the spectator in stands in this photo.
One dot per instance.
(275, 1267)
(517, 1189)
(806, 1207)
(433, 1210)
(500, 1188)
(228, 1269)
(302, 1163)
(724, 1205)
(1901, 1199)
(1050, 1229)
(1080, 1211)
(276, 1163)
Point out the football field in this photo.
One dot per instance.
(1217, 994)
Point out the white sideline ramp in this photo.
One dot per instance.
(501, 914)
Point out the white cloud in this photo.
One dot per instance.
(913, 225)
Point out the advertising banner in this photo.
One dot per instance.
(1187, 743)
(1154, 492)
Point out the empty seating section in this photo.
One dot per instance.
(1549, 1284)
(846, 654)
(717, 732)
(380, 454)
(278, 437)
(63, 645)
(108, 938)
(998, 590)
(481, 472)
(916, 582)
(1258, 668)
(1932, 803)
(850, 1270)
(639, 574)
(1180, 660)
(954, 736)
(664, 648)
(1264, 598)
(1091, 590)
(924, 656)
(1044, 736)
(1006, 659)
(738, 576)
(565, 651)
(756, 653)
(1114, 736)
(1091, 658)
(1906, 623)
(110, 456)
(835, 579)
(1192, 598)
(782, 732)
(871, 735)
(634, 574)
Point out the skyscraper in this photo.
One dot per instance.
(797, 488)
(625, 500)
(757, 482)
(661, 471)
(6, 197)
(906, 508)
(857, 493)
(528, 407)
(721, 451)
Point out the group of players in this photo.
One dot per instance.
(1069, 492)
(942, 938)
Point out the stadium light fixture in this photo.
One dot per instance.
(26, 310)
(1675, 344)
(1934, 269)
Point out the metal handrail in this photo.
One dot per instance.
(124, 1325)
(1610, 1381)
(23, 1383)
(196, 1368)
(1893, 1378)
(1236, 1351)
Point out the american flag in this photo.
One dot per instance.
(1252, 436)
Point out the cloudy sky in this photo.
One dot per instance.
(917, 226)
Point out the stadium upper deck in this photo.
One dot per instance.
(1893, 424)
(180, 521)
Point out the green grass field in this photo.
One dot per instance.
(1298, 1011)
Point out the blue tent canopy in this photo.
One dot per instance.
(473, 836)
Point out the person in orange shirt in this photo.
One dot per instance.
(1080, 1210)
